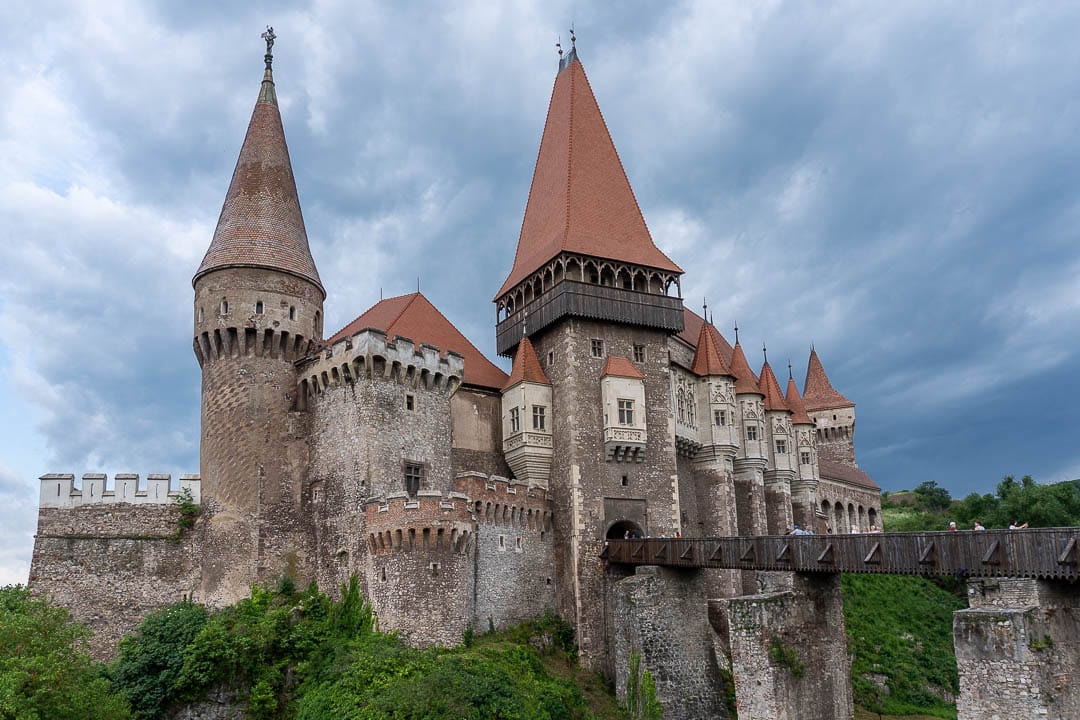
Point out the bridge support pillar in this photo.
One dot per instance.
(1018, 649)
(789, 652)
(661, 613)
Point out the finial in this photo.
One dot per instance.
(736, 332)
(418, 284)
(765, 353)
(558, 46)
(711, 319)
(789, 375)
(269, 36)
(573, 38)
(704, 309)
(524, 322)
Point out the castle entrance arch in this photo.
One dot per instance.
(619, 530)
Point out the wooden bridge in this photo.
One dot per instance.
(1044, 553)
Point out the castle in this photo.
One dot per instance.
(394, 450)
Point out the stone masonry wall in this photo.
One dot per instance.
(789, 652)
(1018, 650)
(110, 564)
(662, 614)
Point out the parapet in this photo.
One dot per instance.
(429, 521)
(58, 490)
(370, 354)
(500, 501)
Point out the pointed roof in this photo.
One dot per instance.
(707, 359)
(691, 334)
(413, 316)
(526, 366)
(818, 392)
(580, 200)
(745, 379)
(770, 388)
(261, 224)
(795, 404)
(621, 367)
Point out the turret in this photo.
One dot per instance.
(753, 449)
(781, 467)
(527, 416)
(832, 413)
(258, 309)
(804, 486)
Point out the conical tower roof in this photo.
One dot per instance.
(708, 360)
(745, 379)
(795, 404)
(770, 388)
(261, 224)
(580, 200)
(526, 366)
(818, 392)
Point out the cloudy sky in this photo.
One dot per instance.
(894, 182)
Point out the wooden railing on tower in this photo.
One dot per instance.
(1032, 553)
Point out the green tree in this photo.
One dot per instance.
(931, 497)
(46, 672)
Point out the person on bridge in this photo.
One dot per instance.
(1015, 525)
(978, 526)
(952, 526)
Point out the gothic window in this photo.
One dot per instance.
(626, 412)
(781, 447)
(804, 457)
(410, 401)
(414, 475)
(292, 312)
(751, 432)
(224, 306)
(690, 407)
(259, 307)
(680, 405)
(719, 417)
(597, 348)
(639, 353)
(515, 420)
(538, 417)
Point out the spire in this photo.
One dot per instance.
(795, 403)
(261, 224)
(770, 388)
(526, 366)
(580, 200)
(745, 379)
(818, 392)
(708, 360)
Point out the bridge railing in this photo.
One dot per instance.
(1034, 553)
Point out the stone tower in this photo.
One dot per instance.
(832, 413)
(258, 309)
(591, 291)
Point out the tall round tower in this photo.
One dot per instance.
(258, 309)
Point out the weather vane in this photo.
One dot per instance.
(558, 46)
(269, 36)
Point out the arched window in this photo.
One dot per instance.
(200, 314)
(259, 307)
(224, 306)
(292, 312)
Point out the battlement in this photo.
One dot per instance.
(231, 342)
(370, 354)
(58, 490)
(429, 521)
(496, 500)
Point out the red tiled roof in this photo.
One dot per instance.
(580, 200)
(526, 366)
(691, 333)
(707, 359)
(413, 316)
(770, 388)
(795, 405)
(845, 473)
(621, 367)
(261, 224)
(745, 379)
(818, 392)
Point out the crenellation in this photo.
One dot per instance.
(58, 490)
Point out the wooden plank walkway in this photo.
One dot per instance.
(1046, 553)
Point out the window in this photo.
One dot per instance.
(410, 401)
(597, 348)
(259, 307)
(751, 432)
(804, 457)
(224, 306)
(626, 412)
(292, 312)
(781, 447)
(625, 480)
(538, 417)
(200, 314)
(515, 420)
(414, 475)
(639, 353)
(719, 417)
(551, 358)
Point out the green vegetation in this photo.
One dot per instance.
(641, 700)
(45, 670)
(785, 656)
(188, 509)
